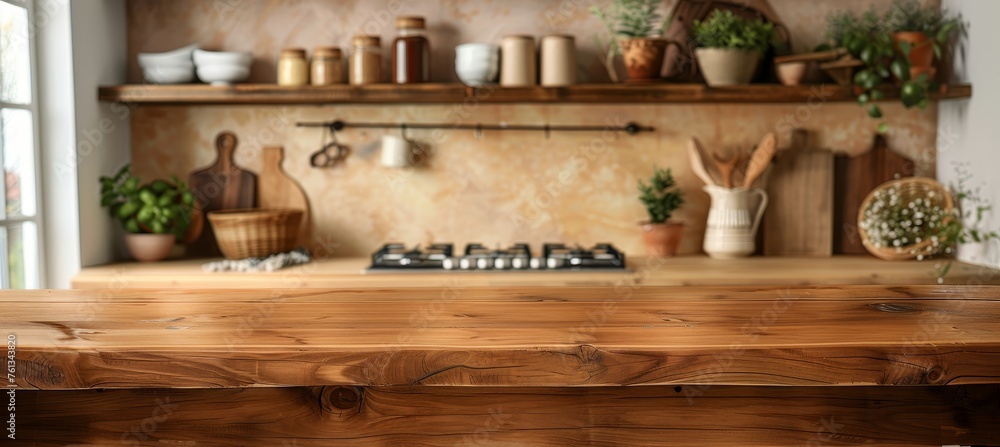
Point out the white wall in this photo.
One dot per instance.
(80, 45)
(969, 130)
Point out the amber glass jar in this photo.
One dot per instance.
(366, 62)
(411, 52)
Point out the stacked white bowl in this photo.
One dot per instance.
(222, 67)
(172, 67)
(477, 64)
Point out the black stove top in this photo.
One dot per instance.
(478, 257)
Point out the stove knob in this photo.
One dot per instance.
(466, 264)
(554, 263)
(519, 263)
(449, 263)
(575, 261)
(536, 263)
(501, 263)
(484, 264)
(405, 261)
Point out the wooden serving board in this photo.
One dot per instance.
(221, 186)
(799, 217)
(275, 189)
(854, 178)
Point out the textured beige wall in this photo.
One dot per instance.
(507, 187)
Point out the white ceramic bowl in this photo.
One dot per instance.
(174, 57)
(469, 49)
(169, 74)
(477, 64)
(223, 74)
(225, 58)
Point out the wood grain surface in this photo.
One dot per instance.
(458, 93)
(799, 218)
(547, 417)
(276, 190)
(523, 336)
(855, 177)
(677, 271)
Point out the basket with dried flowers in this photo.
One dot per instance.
(917, 218)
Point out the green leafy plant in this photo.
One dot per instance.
(159, 207)
(632, 18)
(868, 38)
(627, 19)
(661, 196)
(723, 29)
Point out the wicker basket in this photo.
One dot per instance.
(255, 233)
(908, 189)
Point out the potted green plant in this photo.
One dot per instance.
(919, 32)
(635, 27)
(154, 215)
(661, 198)
(730, 47)
(885, 50)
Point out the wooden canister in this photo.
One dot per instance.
(558, 61)
(517, 61)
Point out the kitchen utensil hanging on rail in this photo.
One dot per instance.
(330, 154)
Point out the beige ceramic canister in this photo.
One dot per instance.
(366, 62)
(558, 60)
(327, 66)
(293, 70)
(517, 61)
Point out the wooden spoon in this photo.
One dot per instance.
(725, 168)
(698, 162)
(760, 159)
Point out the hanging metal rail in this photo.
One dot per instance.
(631, 128)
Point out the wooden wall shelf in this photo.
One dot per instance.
(264, 94)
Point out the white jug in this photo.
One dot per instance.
(732, 225)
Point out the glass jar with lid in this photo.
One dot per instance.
(327, 66)
(292, 67)
(411, 52)
(366, 61)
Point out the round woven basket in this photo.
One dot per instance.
(255, 233)
(907, 189)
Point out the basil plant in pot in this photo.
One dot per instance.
(661, 198)
(635, 27)
(730, 47)
(154, 215)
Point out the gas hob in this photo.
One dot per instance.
(478, 257)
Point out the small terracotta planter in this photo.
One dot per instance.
(791, 73)
(921, 49)
(149, 247)
(662, 239)
(644, 57)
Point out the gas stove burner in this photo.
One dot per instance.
(478, 257)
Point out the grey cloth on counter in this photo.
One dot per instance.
(268, 264)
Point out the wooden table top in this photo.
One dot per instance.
(681, 271)
(513, 336)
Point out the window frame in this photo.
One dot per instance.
(7, 222)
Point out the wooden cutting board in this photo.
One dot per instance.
(854, 178)
(221, 186)
(799, 216)
(276, 189)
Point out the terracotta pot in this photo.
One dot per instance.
(921, 48)
(644, 57)
(149, 247)
(662, 239)
(724, 66)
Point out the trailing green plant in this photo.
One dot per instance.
(724, 29)
(158, 207)
(868, 38)
(661, 196)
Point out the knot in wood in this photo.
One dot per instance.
(935, 374)
(342, 398)
(893, 308)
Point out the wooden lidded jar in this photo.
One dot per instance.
(292, 68)
(366, 62)
(328, 66)
(411, 52)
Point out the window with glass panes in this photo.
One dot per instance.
(20, 267)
